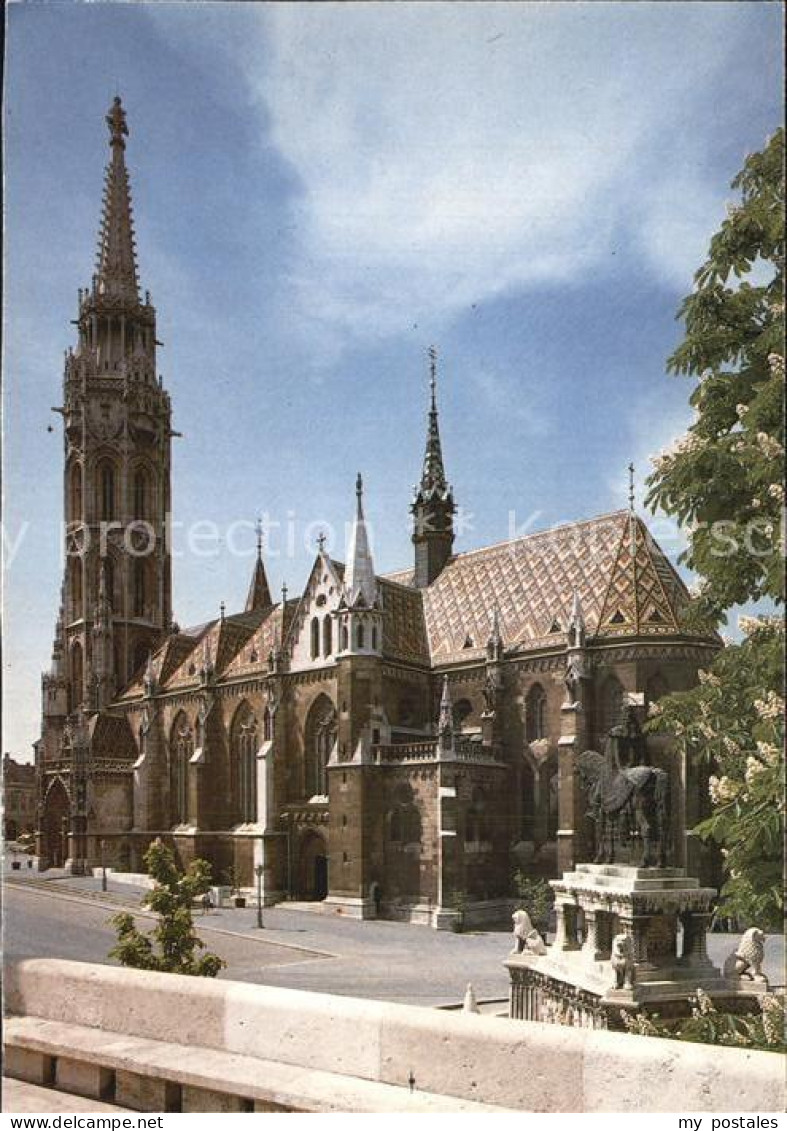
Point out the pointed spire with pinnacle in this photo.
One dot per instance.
(433, 474)
(116, 268)
(360, 583)
(259, 594)
(445, 723)
(576, 624)
(433, 505)
(494, 645)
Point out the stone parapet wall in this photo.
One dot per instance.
(521, 1065)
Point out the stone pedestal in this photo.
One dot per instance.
(576, 985)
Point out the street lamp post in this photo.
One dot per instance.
(102, 847)
(258, 872)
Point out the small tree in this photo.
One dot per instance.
(172, 944)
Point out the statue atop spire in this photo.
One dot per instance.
(433, 505)
(116, 120)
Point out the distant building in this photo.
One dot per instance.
(19, 798)
(395, 745)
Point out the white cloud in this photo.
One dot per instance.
(450, 153)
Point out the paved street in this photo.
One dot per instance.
(299, 949)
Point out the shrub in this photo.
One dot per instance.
(172, 944)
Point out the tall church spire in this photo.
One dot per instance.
(360, 583)
(433, 505)
(116, 266)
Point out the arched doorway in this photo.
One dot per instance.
(54, 826)
(313, 868)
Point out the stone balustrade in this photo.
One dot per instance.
(158, 1042)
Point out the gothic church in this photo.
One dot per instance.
(390, 745)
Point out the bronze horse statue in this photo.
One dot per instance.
(625, 802)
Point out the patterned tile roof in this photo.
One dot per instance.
(404, 627)
(626, 586)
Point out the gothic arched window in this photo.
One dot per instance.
(610, 706)
(76, 589)
(267, 725)
(140, 494)
(476, 829)
(345, 638)
(181, 749)
(374, 638)
(327, 636)
(462, 711)
(315, 640)
(75, 492)
(77, 677)
(536, 713)
(360, 637)
(320, 739)
(106, 484)
(139, 587)
(244, 744)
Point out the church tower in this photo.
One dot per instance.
(116, 416)
(433, 505)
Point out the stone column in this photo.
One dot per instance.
(591, 950)
(695, 942)
(565, 927)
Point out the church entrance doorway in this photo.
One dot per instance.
(54, 826)
(313, 870)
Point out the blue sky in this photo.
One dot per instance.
(321, 191)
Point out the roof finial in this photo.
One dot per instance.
(433, 375)
(321, 540)
(222, 610)
(359, 494)
(259, 529)
(284, 592)
(631, 487)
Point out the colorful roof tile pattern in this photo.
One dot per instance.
(625, 585)
(404, 627)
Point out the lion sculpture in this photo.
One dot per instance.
(526, 937)
(747, 960)
(622, 960)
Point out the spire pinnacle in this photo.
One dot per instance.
(360, 582)
(259, 595)
(116, 268)
(433, 475)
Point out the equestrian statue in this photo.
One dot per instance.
(626, 801)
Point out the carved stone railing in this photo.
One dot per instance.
(406, 752)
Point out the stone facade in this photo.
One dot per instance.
(19, 797)
(394, 744)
